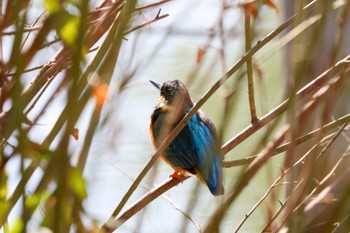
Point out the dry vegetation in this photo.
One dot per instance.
(308, 129)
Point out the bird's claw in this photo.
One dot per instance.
(176, 176)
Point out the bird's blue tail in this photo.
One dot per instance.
(213, 178)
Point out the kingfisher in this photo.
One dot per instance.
(194, 151)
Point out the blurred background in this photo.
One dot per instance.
(83, 156)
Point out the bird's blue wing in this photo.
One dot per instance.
(195, 149)
(208, 154)
(181, 152)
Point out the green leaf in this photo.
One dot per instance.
(3, 185)
(17, 227)
(69, 31)
(33, 201)
(4, 205)
(52, 6)
(76, 183)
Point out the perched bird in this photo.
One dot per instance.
(194, 150)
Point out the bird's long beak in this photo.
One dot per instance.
(157, 85)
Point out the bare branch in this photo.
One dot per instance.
(250, 80)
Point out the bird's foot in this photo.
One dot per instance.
(176, 176)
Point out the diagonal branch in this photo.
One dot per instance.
(336, 123)
(306, 90)
(260, 160)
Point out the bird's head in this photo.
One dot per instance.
(173, 92)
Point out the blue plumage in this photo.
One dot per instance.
(194, 149)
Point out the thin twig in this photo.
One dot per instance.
(243, 181)
(338, 224)
(167, 198)
(155, 19)
(298, 141)
(332, 171)
(26, 70)
(298, 162)
(250, 212)
(311, 87)
(182, 212)
(42, 91)
(259, 161)
(248, 41)
(113, 224)
(325, 205)
(32, 26)
(49, 43)
(279, 211)
(27, 29)
(305, 171)
(151, 5)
